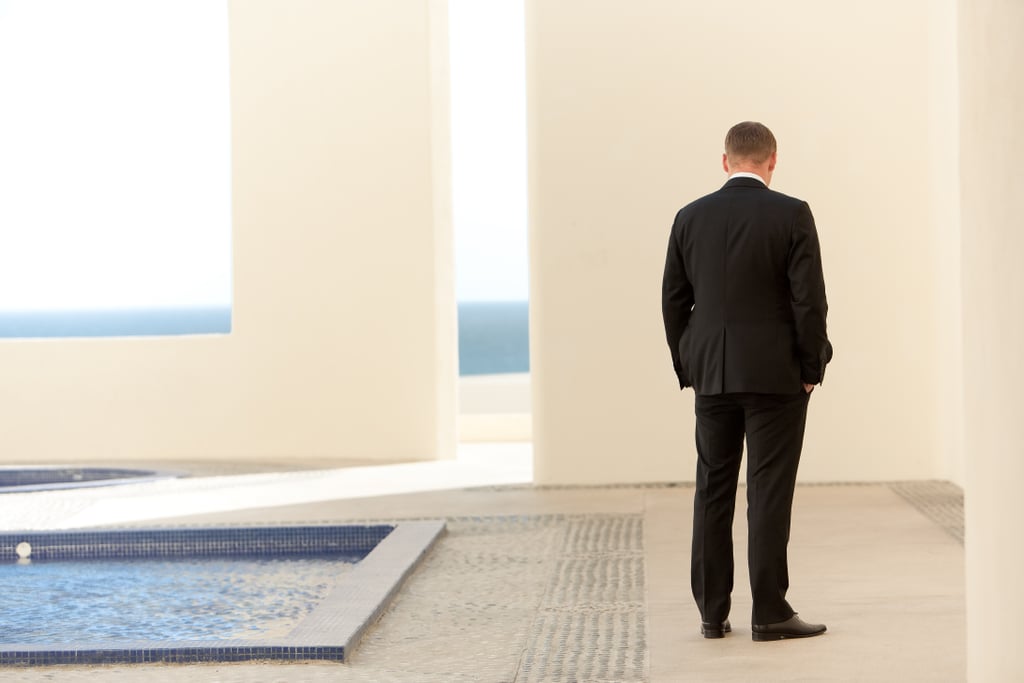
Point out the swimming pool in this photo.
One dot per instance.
(19, 479)
(270, 592)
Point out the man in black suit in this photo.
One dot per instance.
(743, 300)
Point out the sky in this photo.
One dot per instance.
(109, 130)
(488, 113)
(115, 177)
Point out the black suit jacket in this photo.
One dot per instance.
(743, 296)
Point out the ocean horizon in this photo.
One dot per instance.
(115, 323)
(493, 335)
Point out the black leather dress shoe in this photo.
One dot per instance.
(715, 630)
(794, 627)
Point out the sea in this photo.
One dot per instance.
(493, 335)
(115, 323)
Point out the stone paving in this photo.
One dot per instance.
(589, 585)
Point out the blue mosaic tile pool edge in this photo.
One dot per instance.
(329, 633)
(21, 479)
(172, 654)
(191, 542)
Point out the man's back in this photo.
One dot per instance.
(747, 260)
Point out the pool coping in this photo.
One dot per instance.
(330, 632)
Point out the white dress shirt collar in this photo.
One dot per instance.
(745, 174)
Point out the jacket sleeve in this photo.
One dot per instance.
(676, 300)
(807, 296)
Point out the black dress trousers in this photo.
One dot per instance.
(773, 425)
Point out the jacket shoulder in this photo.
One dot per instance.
(696, 205)
(786, 199)
(725, 197)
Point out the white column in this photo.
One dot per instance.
(992, 147)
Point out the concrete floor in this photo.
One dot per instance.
(886, 580)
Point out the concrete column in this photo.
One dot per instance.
(992, 175)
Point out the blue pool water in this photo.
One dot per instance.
(169, 599)
(200, 593)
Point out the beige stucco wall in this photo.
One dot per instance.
(628, 103)
(343, 341)
(992, 60)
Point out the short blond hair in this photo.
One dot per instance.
(751, 141)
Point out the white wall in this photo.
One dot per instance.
(344, 318)
(495, 408)
(344, 336)
(992, 99)
(628, 104)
